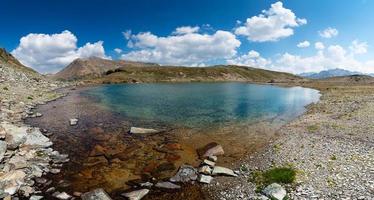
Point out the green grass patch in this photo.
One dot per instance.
(5, 88)
(285, 175)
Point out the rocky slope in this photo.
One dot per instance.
(25, 153)
(93, 67)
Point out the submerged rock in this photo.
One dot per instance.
(211, 149)
(137, 130)
(186, 173)
(167, 185)
(275, 191)
(217, 170)
(136, 195)
(97, 194)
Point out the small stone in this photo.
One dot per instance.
(167, 185)
(205, 170)
(217, 170)
(3, 148)
(41, 180)
(51, 189)
(136, 195)
(205, 179)
(97, 194)
(61, 195)
(55, 171)
(38, 114)
(73, 122)
(213, 158)
(146, 184)
(35, 197)
(211, 149)
(275, 191)
(208, 162)
(77, 194)
(137, 130)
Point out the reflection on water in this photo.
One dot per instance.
(203, 104)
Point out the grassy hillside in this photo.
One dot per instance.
(195, 74)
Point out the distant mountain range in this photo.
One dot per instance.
(330, 73)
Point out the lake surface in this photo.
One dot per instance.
(198, 105)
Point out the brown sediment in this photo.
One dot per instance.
(104, 155)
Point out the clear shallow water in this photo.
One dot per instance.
(203, 104)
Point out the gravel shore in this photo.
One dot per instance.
(331, 147)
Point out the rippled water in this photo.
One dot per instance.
(203, 104)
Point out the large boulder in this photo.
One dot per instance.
(275, 191)
(10, 182)
(15, 135)
(97, 194)
(36, 139)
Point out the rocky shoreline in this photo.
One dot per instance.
(26, 155)
(330, 147)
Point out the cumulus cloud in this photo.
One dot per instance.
(303, 44)
(188, 47)
(273, 24)
(186, 30)
(251, 59)
(358, 47)
(330, 57)
(118, 50)
(329, 32)
(48, 53)
(319, 46)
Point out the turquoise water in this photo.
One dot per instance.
(203, 104)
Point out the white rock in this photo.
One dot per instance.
(137, 130)
(36, 139)
(208, 162)
(136, 195)
(35, 197)
(73, 122)
(213, 158)
(205, 170)
(167, 185)
(217, 170)
(62, 195)
(97, 194)
(205, 179)
(275, 191)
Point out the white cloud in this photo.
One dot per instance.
(189, 48)
(359, 47)
(331, 57)
(303, 44)
(319, 46)
(118, 50)
(329, 32)
(251, 59)
(273, 24)
(49, 53)
(186, 30)
(127, 34)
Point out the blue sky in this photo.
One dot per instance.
(215, 32)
